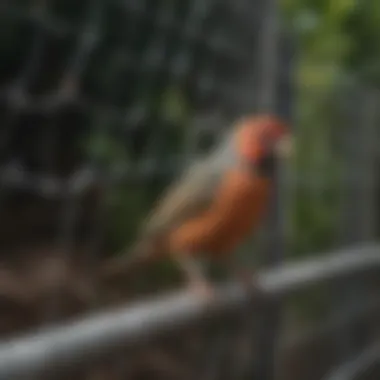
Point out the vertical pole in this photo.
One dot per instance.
(271, 77)
(357, 213)
(268, 53)
(366, 198)
(368, 147)
(342, 297)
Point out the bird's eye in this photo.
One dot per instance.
(265, 139)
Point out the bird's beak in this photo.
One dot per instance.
(285, 147)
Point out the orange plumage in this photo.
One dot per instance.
(238, 207)
(215, 204)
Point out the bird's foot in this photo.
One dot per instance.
(202, 289)
(248, 280)
(246, 277)
(251, 286)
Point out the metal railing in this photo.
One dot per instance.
(68, 345)
(232, 58)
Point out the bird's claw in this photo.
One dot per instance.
(203, 289)
(247, 279)
(249, 282)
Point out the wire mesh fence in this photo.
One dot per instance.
(104, 102)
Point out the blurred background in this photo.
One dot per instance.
(102, 102)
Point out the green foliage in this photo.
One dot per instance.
(363, 28)
(336, 40)
(126, 207)
(329, 36)
(334, 37)
(323, 45)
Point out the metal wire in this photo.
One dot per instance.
(212, 52)
(69, 344)
(357, 366)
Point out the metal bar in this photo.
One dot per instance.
(355, 368)
(270, 321)
(86, 339)
(15, 177)
(357, 207)
(329, 327)
(269, 49)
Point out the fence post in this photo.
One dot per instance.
(357, 210)
(276, 81)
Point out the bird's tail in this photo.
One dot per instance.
(125, 265)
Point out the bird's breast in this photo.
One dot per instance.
(238, 207)
(241, 203)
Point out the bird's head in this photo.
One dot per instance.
(260, 139)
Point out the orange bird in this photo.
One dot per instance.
(214, 205)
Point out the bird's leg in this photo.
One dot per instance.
(194, 273)
(247, 276)
(244, 275)
(127, 265)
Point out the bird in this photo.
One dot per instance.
(214, 205)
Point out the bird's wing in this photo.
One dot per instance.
(186, 198)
